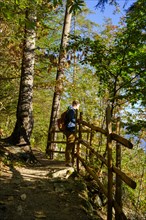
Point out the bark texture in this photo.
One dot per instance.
(24, 123)
(59, 77)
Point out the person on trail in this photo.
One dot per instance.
(70, 124)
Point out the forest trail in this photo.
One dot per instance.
(45, 190)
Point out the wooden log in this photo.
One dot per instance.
(118, 192)
(110, 173)
(124, 177)
(87, 150)
(93, 127)
(85, 143)
(93, 174)
(90, 143)
(103, 189)
(80, 137)
(121, 140)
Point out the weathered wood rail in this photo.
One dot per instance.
(113, 201)
(113, 191)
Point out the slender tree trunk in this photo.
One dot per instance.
(59, 78)
(24, 123)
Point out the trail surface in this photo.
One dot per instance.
(45, 190)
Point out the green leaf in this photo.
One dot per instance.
(75, 5)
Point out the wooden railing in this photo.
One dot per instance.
(83, 151)
(112, 201)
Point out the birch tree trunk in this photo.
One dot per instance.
(24, 117)
(59, 78)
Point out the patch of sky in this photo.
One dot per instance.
(114, 12)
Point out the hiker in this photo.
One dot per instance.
(70, 131)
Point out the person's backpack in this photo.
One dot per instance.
(62, 121)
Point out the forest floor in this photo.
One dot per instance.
(43, 190)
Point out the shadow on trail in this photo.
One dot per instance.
(31, 193)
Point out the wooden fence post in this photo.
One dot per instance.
(79, 138)
(118, 194)
(73, 150)
(90, 153)
(87, 150)
(50, 145)
(110, 174)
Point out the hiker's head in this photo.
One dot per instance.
(76, 104)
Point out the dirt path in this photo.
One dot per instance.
(43, 191)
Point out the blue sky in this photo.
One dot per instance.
(108, 12)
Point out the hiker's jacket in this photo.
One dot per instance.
(70, 120)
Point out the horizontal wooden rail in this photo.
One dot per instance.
(117, 138)
(93, 151)
(103, 189)
(93, 174)
(93, 127)
(124, 177)
(121, 140)
(113, 136)
(110, 191)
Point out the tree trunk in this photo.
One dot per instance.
(59, 78)
(24, 124)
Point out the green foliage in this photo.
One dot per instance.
(136, 127)
(119, 61)
(136, 17)
(133, 164)
(75, 5)
(109, 65)
(56, 2)
(101, 3)
(41, 113)
(10, 54)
